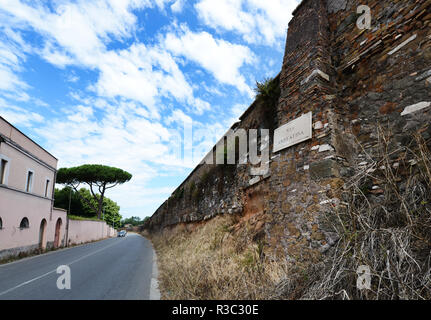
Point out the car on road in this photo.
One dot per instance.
(122, 233)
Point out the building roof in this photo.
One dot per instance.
(38, 151)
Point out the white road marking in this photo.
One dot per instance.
(55, 270)
(154, 287)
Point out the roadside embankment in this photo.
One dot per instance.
(216, 260)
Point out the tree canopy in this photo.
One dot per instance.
(99, 178)
(134, 221)
(79, 206)
(95, 174)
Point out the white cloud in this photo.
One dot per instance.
(72, 78)
(143, 73)
(19, 116)
(78, 27)
(116, 137)
(261, 22)
(238, 110)
(179, 117)
(199, 106)
(177, 6)
(227, 14)
(76, 35)
(221, 58)
(12, 54)
(83, 113)
(8, 79)
(56, 57)
(116, 119)
(213, 90)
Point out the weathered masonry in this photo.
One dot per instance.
(354, 82)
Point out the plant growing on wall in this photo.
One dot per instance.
(197, 193)
(98, 177)
(268, 91)
(179, 193)
(192, 188)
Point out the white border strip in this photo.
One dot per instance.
(154, 289)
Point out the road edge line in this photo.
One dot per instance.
(154, 289)
(61, 249)
(154, 285)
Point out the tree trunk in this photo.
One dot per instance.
(102, 196)
(83, 198)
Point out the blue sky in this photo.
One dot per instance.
(115, 81)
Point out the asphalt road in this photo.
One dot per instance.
(112, 269)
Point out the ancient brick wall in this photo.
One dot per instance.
(380, 73)
(213, 189)
(301, 175)
(354, 81)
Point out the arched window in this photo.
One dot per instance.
(1, 224)
(24, 224)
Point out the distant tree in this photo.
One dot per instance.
(88, 203)
(98, 177)
(134, 221)
(79, 204)
(112, 212)
(61, 200)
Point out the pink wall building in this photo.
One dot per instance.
(28, 220)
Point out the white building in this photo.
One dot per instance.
(28, 220)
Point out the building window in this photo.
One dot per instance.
(24, 224)
(3, 171)
(47, 188)
(1, 224)
(29, 181)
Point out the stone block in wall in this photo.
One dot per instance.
(336, 5)
(327, 168)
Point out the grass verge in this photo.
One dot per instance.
(72, 217)
(383, 223)
(215, 262)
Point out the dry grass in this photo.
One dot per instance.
(214, 262)
(389, 232)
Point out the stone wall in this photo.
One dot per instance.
(355, 82)
(214, 189)
(20, 242)
(83, 231)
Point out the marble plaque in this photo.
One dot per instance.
(293, 132)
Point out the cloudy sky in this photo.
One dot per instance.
(116, 81)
